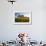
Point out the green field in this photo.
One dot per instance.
(22, 19)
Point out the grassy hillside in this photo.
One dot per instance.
(22, 19)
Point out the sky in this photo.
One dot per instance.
(22, 13)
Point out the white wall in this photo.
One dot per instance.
(37, 30)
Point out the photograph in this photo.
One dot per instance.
(23, 18)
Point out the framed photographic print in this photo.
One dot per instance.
(23, 18)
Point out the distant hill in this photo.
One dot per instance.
(20, 15)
